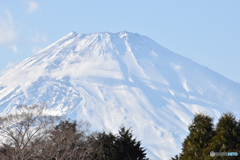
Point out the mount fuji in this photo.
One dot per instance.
(111, 79)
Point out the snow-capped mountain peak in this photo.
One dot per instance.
(111, 79)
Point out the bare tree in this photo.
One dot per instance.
(66, 142)
(22, 131)
(29, 134)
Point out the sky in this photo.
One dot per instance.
(205, 31)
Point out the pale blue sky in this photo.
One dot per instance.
(205, 31)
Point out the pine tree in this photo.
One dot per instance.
(175, 158)
(227, 136)
(105, 147)
(117, 147)
(201, 132)
(128, 147)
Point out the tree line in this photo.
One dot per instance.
(206, 140)
(29, 133)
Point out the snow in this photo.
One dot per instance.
(111, 79)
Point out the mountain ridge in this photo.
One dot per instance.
(114, 78)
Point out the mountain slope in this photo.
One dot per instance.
(111, 79)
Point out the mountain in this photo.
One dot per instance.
(111, 79)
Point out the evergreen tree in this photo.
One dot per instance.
(128, 148)
(105, 147)
(175, 158)
(201, 132)
(120, 147)
(227, 137)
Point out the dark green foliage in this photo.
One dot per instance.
(104, 146)
(175, 158)
(120, 147)
(203, 138)
(201, 132)
(227, 136)
(128, 147)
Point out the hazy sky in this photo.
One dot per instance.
(205, 31)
